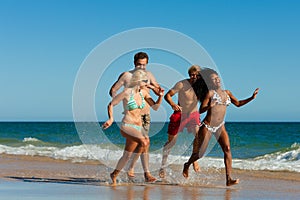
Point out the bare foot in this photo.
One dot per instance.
(130, 174)
(196, 167)
(230, 182)
(162, 173)
(113, 177)
(185, 171)
(149, 178)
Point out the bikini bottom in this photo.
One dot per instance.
(213, 129)
(138, 128)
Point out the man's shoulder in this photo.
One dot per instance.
(126, 74)
(127, 90)
(149, 74)
(180, 85)
(184, 82)
(184, 85)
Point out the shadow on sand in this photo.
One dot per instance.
(68, 180)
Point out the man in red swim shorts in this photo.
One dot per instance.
(186, 114)
(179, 121)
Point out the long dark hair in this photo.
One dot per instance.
(203, 83)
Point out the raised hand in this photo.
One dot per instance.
(255, 93)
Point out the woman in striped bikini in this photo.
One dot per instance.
(134, 99)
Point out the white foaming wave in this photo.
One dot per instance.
(78, 153)
(206, 162)
(87, 152)
(31, 139)
(27, 150)
(292, 155)
(288, 160)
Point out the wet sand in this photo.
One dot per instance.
(34, 177)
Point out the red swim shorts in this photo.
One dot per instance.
(178, 121)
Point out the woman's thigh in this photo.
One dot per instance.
(130, 145)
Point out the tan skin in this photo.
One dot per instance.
(124, 80)
(188, 104)
(214, 117)
(135, 141)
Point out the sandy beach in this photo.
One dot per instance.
(34, 177)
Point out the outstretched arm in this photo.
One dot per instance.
(239, 103)
(110, 106)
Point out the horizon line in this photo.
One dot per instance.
(70, 121)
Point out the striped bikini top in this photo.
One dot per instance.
(131, 104)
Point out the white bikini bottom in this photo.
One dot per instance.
(213, 129)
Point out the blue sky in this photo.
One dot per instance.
(44, 43)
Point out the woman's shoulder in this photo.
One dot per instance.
(227, 92)
(211, 92)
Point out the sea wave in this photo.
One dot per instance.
(288, 154)
(30, 139)
(284, 160)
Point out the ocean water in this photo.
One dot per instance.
(255, 146)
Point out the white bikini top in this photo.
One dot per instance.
(219, 101)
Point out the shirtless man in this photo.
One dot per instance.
(185, 114)
(140, 62)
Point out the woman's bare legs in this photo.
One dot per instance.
(132, 162)
(145, 163)
(144, 160)
(144, 155)
(199, 148)
(223, 140)
(128, 150)
(134, 143)
(195, 131)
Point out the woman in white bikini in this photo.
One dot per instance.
(134, 100)
(215, 103)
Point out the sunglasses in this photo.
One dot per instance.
(145, 81)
